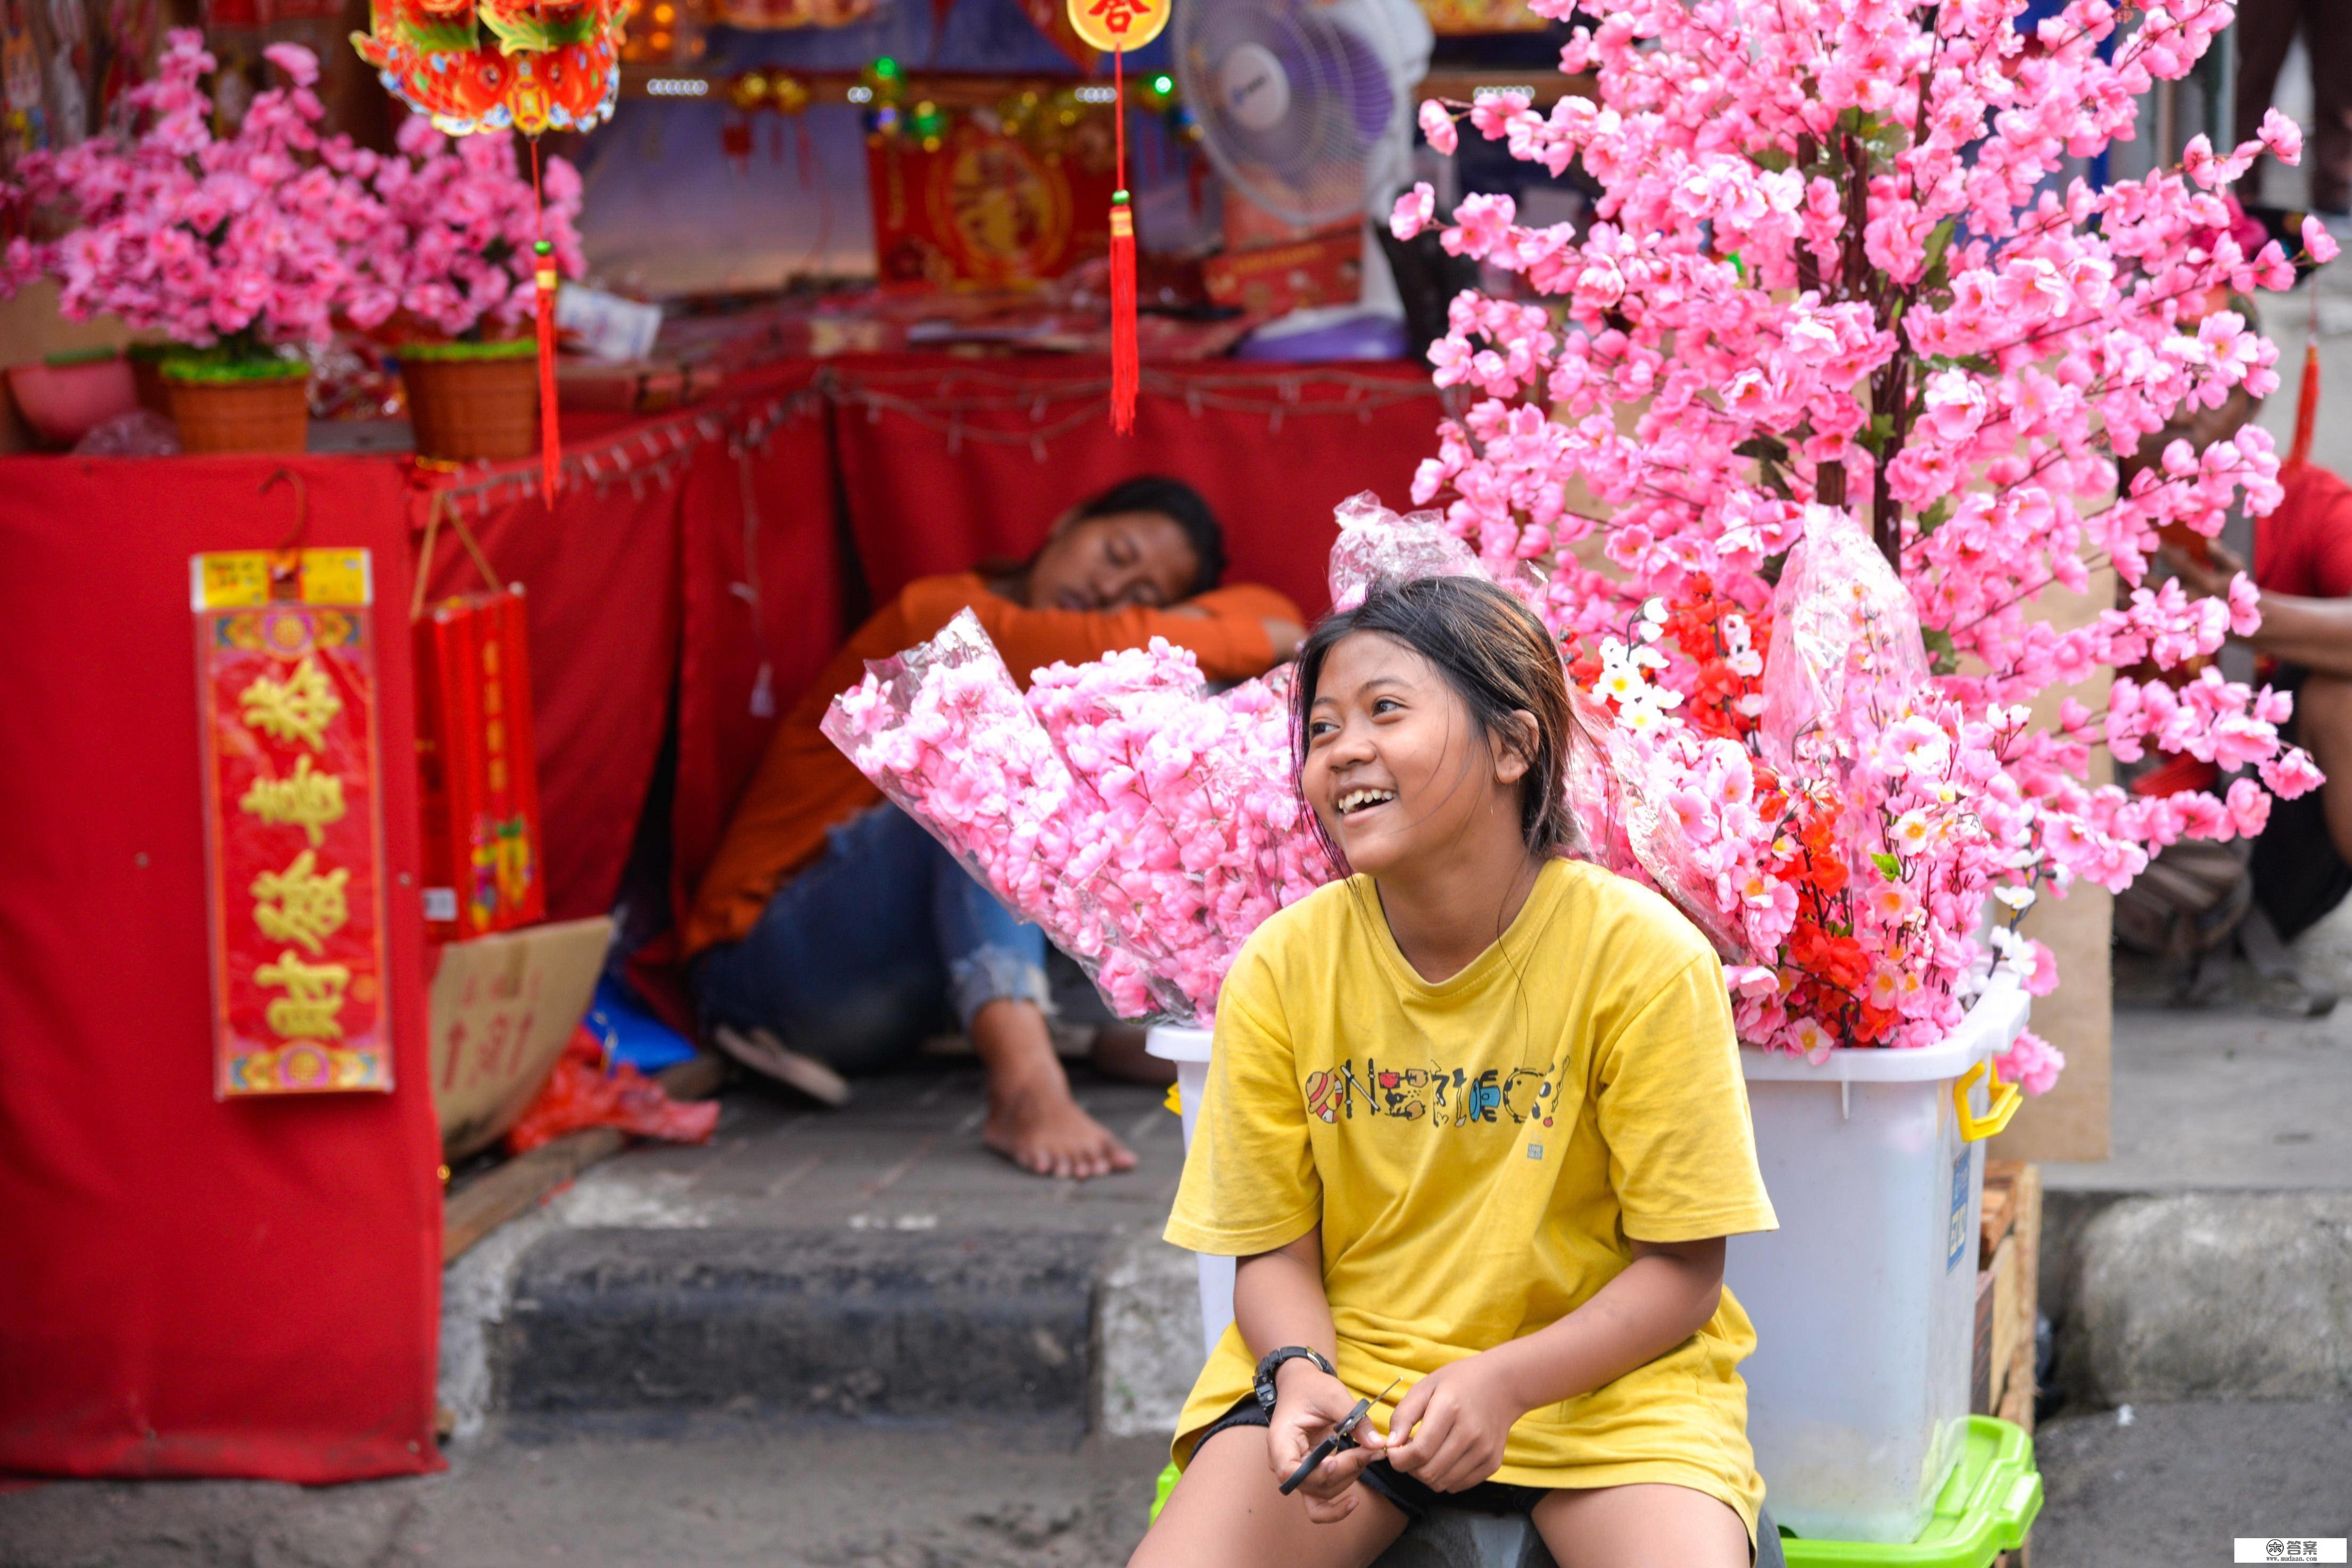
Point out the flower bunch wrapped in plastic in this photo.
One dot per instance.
(460, 220)
(1146, 826)
(1837, 274)
(246, 241)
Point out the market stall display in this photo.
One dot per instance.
(276, 1317)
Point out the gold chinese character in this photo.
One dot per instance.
(314, 994)
(300, 904)
(299, 708)
(308, 800)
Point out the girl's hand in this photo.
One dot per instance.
(1308, 1403)
(1449, 1429)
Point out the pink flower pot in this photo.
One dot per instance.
(63, 403)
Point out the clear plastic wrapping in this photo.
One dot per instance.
(1145, 825)
(1846, 653)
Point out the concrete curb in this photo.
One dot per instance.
(2210, 1296)
(887, 1323)
(2206, 1295)
(1147, 1351)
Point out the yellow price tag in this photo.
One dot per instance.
(1112, 24)
(239, 579)
(336, 577)
(230, 580)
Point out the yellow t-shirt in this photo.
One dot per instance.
(1478, 1152)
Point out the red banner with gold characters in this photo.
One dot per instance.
(293, 830)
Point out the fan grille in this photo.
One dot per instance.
(1309, 166)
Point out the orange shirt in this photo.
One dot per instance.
(805, 786)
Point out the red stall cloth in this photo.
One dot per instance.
(191, 1288)
(636, 586)
(763, 607)
(944, 462)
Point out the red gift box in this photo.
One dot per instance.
(480, 773)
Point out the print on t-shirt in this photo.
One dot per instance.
(1443, 1099)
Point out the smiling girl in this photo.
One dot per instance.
(1475, 1124)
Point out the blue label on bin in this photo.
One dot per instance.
(1957, 1234)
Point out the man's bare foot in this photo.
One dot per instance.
(1043, 1129)
(1118, 1053)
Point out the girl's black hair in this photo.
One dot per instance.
(1497, 658)
(1181, 505)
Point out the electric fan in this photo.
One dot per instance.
(1306, 106)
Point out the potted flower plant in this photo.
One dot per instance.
(236, 249)
(453, 283)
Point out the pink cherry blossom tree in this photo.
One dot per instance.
(1836, 279)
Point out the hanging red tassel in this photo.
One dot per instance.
(1125, 369)
(551, 435)
(1126, 357)
(2307, 403)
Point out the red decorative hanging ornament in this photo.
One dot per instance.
(543, 275)
(1117, 27)
(498, 65)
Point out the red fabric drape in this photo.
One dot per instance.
(944, 462)
(762, 587)
(191, 1288)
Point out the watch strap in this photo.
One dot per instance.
(1264, 1384)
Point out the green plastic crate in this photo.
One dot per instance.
(1983, 1510)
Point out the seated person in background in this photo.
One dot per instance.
(834, 920)
(2302, 865)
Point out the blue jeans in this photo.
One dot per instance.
(883, 941)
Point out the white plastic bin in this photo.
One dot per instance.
(1189, 1049)
(1864, 1299)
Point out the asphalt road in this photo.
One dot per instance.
(2168, 1490)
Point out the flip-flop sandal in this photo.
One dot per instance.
(759, 1051)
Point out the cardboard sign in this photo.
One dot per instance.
(502, 1009)
(293, 829)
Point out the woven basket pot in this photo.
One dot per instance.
(263, 414)
(464, 409)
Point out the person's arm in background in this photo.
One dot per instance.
(2316, 634)
(1234, 632)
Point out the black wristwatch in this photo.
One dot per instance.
(1274, 1360)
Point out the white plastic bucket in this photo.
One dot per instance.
(1189, 1049)
(1864, 1299)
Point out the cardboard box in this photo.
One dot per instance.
(502, 1009)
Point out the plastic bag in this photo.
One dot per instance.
(581, 1093)
(1146, 826)
(1846, 653)
(1376, 545)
